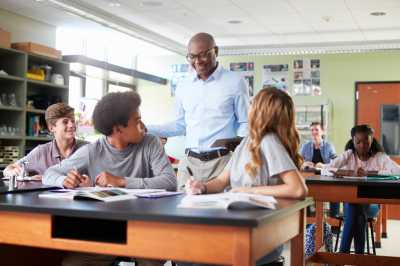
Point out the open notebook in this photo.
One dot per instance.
(228, 200)
(99, 193)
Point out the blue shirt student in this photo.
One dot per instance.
(215, 108)
(327, 151)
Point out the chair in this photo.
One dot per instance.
(370, 222)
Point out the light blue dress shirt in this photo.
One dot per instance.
(208, 110)
(327, 151)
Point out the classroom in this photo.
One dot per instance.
(182, 132)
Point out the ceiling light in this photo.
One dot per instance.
(377, 13)
(114, 4)
(151, 3)
(234, 21)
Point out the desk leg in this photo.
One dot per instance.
(319, 213)
(378, 229)
(384, 220)
(297, 243)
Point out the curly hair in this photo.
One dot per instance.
(364, 129)
(272, 111)
(115, 109)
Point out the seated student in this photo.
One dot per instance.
(316, 153)
(363, 156)
(124, 157)
(266, 162)
(61, 123)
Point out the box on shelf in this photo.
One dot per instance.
(34, 48)
(5, 38)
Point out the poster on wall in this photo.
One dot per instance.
(276, 75)
(84, 123)
(246, 70)
(179, 72)
(306, 77)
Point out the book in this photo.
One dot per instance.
(228, 200)
(93, 193)
(159, 194)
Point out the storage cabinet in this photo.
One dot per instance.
(22, 98)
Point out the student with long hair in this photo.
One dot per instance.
(363, 156)
(267, 161)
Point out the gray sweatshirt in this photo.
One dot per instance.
(143, 165)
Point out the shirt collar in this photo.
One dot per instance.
(214, 76)
(55, 152)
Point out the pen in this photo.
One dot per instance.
(189, 170)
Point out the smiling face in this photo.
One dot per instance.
(64, 128)
(316, 132)
(134, 131)
(202, 55)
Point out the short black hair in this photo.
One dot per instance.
(317, 123)
(115, 109)
(366, 129)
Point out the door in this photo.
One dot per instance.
(378, 104)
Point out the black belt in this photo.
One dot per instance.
(207, 156)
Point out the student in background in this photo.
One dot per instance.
(124, 157)
(211, 104)
(363, 156)
(60, 121)
(316, 153)
(266, 162)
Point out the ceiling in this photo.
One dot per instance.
(264, 23)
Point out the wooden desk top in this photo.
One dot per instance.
(161, 209)
(318, 179)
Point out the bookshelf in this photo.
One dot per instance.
(16, 90)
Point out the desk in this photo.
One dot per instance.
(324, 188)
(151, 228)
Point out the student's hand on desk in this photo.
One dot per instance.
(73, 179)
(105, 179)
(306, 165)
(194, 187)
(13, 169)
(361, 172)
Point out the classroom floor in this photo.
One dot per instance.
(389, 245)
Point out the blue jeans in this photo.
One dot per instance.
(270, 257)
(334, 209)
(355, 224)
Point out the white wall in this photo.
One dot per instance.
(24, 29)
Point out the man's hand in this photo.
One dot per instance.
(13, 170)
(105, 179)
(195, 187)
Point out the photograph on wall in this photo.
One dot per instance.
(246, 70)
(179, 72)
(276, 75)
(306, 77)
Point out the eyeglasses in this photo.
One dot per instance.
(202, 56)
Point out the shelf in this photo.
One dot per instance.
(34, 138)
(11, 77)
(35, 111)
(46, 59)
(46, 84)
(11, 108)
(10, 137)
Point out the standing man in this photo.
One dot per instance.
(211, 104)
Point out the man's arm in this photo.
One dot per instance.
(171, 129)
(164, 175)
(79, 161)
(241, 107)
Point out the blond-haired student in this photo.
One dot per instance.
(267, 161)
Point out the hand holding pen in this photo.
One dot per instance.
(193, 186)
